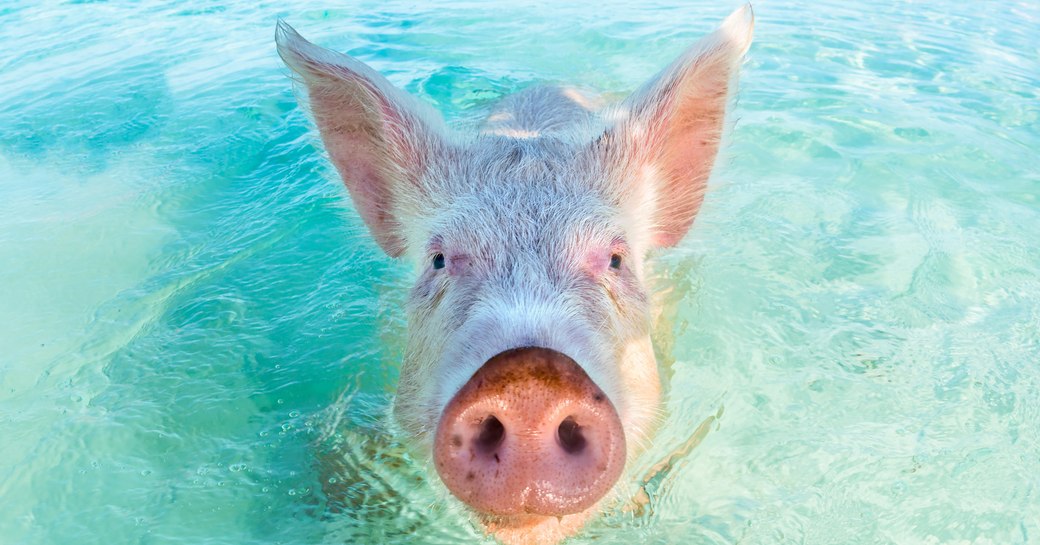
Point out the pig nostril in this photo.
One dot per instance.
(491, 434)
(570, 437)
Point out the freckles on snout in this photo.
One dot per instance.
(530, 433)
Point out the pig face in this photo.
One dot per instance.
(529, 374)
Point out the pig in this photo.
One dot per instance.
(529, 377)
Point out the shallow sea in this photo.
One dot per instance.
(198, 340)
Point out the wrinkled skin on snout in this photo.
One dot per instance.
(529, 376)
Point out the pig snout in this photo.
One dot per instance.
(530, 433)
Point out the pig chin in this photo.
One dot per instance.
(534, 529)
(531, 444)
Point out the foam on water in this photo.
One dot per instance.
(198, 341)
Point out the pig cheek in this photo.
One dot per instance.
(637, 372)
(411, 409)
(427, 292)
(430, 298)
(624, 293)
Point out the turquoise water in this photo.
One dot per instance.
(198, 341)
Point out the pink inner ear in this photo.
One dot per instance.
(688, 152)
(678, 122)
(375, 136)
(356, 142)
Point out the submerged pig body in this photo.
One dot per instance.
(529, 373)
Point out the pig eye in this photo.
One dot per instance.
(438, 261)
(615, 261)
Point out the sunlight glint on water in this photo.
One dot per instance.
(198, 341)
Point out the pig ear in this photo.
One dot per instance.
(666, 135)
(379, 138)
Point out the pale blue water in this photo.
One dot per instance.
(198, 341)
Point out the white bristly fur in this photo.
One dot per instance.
(527, 214)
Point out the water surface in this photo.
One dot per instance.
(198, 340)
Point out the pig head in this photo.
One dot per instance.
(529, 374)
